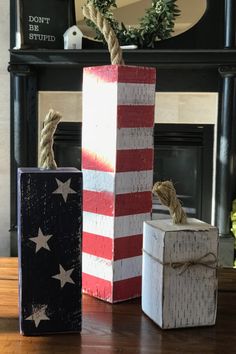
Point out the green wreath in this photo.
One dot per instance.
(156, 24)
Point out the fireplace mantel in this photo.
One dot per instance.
(160, 58)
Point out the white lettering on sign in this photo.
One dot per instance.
(34, 28)
(42, 37)
(38, 19)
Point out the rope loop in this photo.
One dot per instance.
(166, 193)
(46, 155)
(94, 15)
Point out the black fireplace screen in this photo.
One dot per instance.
(183, 153)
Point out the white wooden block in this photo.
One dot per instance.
(172, 297)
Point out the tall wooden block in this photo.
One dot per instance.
(117, 164)
(49, 238)
(179, 285)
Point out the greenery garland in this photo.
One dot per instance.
(156, 24)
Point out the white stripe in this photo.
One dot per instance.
(130, 224)
(127, 268)
(111, 227)
(118, 183)
(110, 270)
(98, 224)
(110, 94)
(136, 94)
(97, 266)
(131, 182)
(98, 181)
(134, 138)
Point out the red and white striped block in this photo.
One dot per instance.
(117, 164)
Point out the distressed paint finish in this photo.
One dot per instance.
(117, 164)
(49, 239)
(171, 299)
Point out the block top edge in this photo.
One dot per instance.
(44, 170)
(123, 73)
(191, 225)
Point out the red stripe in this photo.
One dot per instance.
(102, 289)
(98, 202)
(135, 116)
(134, 160)
(99, 246)
(97, 287)
(125, 204)
(91, 161)
(121, 73)
(133, 203)
(127, 289)
(127, 160)
(126, 247)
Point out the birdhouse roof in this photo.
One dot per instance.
(73, 29)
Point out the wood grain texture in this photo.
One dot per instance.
(49, 250)
(119, 328)
(179, 297)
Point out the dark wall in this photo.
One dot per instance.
(208, 33)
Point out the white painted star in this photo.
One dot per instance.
(64, 276)
(64, 189)
(41, 241)
(38, 314)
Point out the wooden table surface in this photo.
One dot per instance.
(119, 328)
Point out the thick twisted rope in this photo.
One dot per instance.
(46, 158)
(94, 15)
(167, 196)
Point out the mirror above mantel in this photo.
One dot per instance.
(130, 11)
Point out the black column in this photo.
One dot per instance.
(226, 161)
(230, 24)
(23, 132)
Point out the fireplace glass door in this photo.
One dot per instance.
(182, 165)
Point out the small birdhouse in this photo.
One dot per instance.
(73, 38)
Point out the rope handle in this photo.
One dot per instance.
(46, 154)
(166, 193)
(94, 15)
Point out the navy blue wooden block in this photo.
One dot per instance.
(49, 241)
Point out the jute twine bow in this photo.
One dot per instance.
(167, 195)
(94, 15)
(46, 158)
(204, 261)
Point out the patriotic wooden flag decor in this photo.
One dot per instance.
(117, 165)
(49, 241)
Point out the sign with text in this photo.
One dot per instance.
(41, 24)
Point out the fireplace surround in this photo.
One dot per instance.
(200, 60)
(175, 147)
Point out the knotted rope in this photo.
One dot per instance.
(167, 195)
(46, 159)
(94, 15)
(208, 260)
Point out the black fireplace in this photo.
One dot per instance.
(183, 153)
(200, 60)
